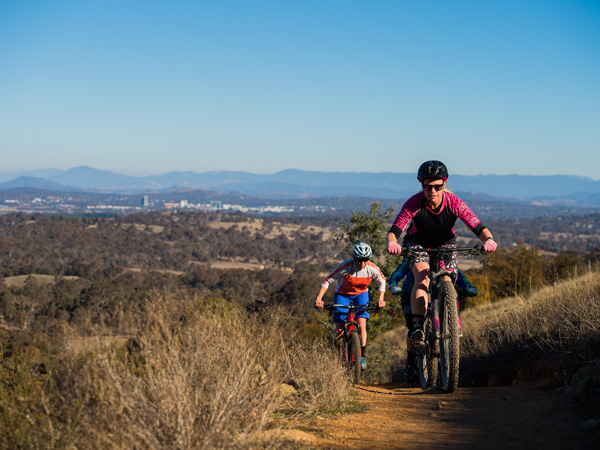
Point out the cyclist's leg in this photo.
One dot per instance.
(407, 311)
(419, 297)
(362, 316)
(339, 329)
(450, 261)
(418, 263)
(420, 292)
(362, 323)
(410, 351)
(340, 315)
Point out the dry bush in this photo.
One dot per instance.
(203, 375)
(553, 318)
(387, 356)
(321, 381)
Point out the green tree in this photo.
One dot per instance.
(370, 227)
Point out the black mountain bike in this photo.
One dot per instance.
(439, 356)
(348, 344)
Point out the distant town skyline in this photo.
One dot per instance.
(147, 88)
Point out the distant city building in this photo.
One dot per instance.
(184, 204)
(216, 204)
(145, 201)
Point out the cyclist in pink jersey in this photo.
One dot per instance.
(353, 277)
(429, 217)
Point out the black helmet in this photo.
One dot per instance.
(432, 169)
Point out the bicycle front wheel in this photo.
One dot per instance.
(449, 342)
(354, 358)
(427, 357)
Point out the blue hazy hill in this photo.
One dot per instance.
(293, 183)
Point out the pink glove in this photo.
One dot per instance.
(489, 245)
(394, 248)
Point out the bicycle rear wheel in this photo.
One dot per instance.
(426, 357)
(449, 342)
(354, 358)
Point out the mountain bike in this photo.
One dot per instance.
(439, 356)
(348, 344)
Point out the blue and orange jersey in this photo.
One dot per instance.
(353, 281)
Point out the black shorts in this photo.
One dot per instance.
(418, 254)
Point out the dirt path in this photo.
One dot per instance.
(513, 417)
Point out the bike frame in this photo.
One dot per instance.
(350, 337)
(350, 326)
(438, 272)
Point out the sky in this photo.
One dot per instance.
(148, 87)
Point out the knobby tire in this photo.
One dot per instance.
(449, 343)
(354, 358)
(426, 357)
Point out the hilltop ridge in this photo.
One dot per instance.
(296, 184)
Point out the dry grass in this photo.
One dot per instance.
(557, 326)
(19, 280)
(202, 375)
(277, 230)
(554, 318)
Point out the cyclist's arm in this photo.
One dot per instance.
(381, 280)
(400, 272)
(410, 208)
(485, 234)
(464, 213)
(464, 285)
(319, 301)
(381, 301)
(461, 280)
(409, 282)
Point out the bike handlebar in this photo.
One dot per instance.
(477, 250)
(366, 307)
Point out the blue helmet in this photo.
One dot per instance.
(362, 250)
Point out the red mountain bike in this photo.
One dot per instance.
(348, 344)
(440, 353)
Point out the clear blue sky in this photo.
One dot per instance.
(146, 87)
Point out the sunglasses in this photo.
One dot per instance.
(361, 260)
(435, 187)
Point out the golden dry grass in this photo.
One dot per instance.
(19, 280)
(553, 317)
(278, 229)
(198, 375)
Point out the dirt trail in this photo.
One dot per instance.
(515, 417)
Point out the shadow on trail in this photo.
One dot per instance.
(515, 417)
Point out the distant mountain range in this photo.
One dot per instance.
(290, 184)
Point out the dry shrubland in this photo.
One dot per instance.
(551, 335)
(550, 338)
(553, 318)
(206, 373)
(202, 375)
